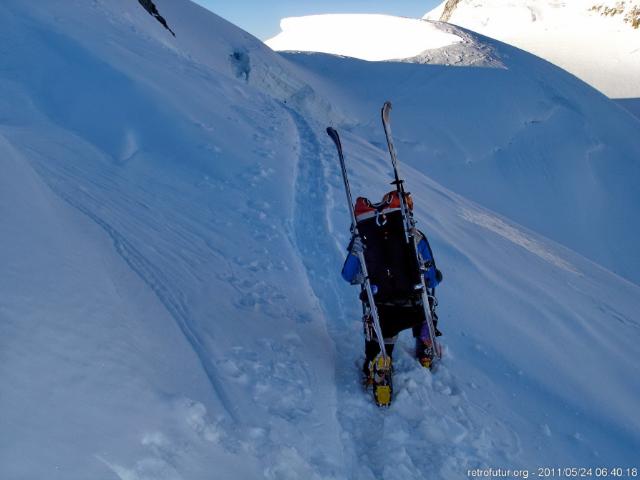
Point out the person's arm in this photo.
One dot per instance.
(432, 275)
(351, 270)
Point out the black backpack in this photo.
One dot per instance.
(391, 260)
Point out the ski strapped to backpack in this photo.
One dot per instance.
(409, 224)
(354, 231)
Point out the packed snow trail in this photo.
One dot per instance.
(323, 260)
(431, 414)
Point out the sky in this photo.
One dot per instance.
(262, 19)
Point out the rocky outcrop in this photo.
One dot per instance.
(150, 7)
(633, 17)
(631, 12)
(449, 7)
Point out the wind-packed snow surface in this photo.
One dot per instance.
(172, 226)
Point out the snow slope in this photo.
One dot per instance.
(172, 230)
(553, 154)
(138, 256)
(596, 40)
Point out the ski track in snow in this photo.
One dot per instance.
(149, 275)
(311, 227)
(498, 226)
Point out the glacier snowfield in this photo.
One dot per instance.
(173, 224)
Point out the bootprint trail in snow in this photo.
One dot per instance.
(431, 426)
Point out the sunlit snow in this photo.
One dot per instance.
(365, 36)
(173, 224)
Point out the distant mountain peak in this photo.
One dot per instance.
(596, 40)
(449, 7)
(626, 10)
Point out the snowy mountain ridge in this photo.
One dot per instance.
(627, 11)
(469, 51)
(366, 36)
(363, 36)
(597, 41)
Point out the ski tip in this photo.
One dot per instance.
(333, 133)
(386, 108)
